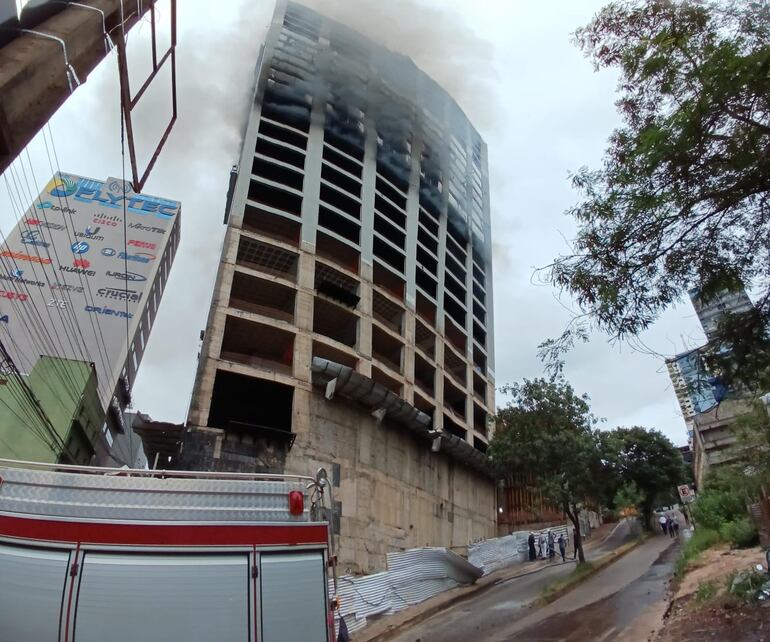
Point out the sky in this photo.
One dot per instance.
(540, 106)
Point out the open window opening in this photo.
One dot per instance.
(478, 274)
(424, 339)
(479, 419)
(386, 380)
(455, 267)
(258, 345)
(456, 313)
(425, 281)
(341, 180)
(386, 189)
(426, 308)
(252, 294)
(334, 222)
(424, 405)
(282, 134)
(389, 254)
(280, 105)
(479, 360)
(334, 321)
(428, 222)
(479, 293)
(427, 240)
(453, 427)
(387, 312)
(386, 348)
(338, 252)
(387, 209)
(336, 285)
(454, 398)
(455, 366)
(267, 258)
(479, 334)
(479, 387)
(249, 404)
(341, 201)
(479, 444)
(424, 376)
(275, 197)
(280, 228)
(391, 283)
(453, 286)
(287, 155)
(342, 161)
(455, 335)
(324, 351)
(277, 173)
(479, 313)
(384, 228)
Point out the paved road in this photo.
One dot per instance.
(502, 613)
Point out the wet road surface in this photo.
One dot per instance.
(623, 590)
(607, 619)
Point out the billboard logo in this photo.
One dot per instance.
(126, 276)
(109, 312)
(81, 263)
(25, 257)
(66, 288)
(15, 277)
(33, 237)
(48, 205)
(62, 186)
(139, 257)
(142, 244)
(146, 228)
(80, 247)
(91, 233)
(109, 221)
(50, 226)
(119, 187)
(132, 296)
(10, 295)
(77, 270)
(108, 251)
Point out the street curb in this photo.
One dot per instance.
(601, 564)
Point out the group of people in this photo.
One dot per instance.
(544, 546)
(669, 525)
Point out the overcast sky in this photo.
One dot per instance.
(536, 101)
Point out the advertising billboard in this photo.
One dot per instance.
(82, 273)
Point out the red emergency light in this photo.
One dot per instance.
(296, 502)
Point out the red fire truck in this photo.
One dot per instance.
(118, 555)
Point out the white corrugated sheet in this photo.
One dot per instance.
(412, 577)
(501, 552)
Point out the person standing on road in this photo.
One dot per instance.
(562, 546)
(574, 542)
(531, 543)
(670, 525)
(551, 548)
(676, 527)
(543, 545)
(663, 524)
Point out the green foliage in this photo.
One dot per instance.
(682, 198)
(723, 501)
(627, 496)
(745, 584)
(741, 533)
(702, 539)
(706, 591)
(546, 434)
(645, 460)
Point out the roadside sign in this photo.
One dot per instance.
(685, 493)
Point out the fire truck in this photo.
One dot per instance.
(119, 555)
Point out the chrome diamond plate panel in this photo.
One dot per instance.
(94, 496)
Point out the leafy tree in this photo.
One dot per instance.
(646, 460)
(546, 432)
(683, 197)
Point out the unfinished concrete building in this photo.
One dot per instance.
(351, 322)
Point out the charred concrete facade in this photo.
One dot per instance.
(351, 322)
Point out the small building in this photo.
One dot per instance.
(53, 415)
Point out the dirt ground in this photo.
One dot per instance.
(722, 617)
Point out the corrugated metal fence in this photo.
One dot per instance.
(500, 552)
(412, 577)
